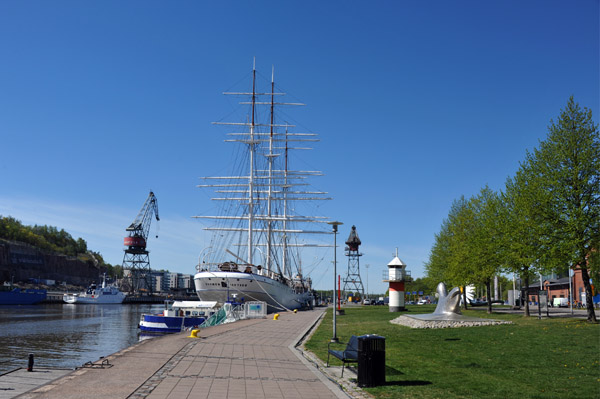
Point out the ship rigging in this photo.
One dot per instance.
(258, 217)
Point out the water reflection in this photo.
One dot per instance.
(66, 335)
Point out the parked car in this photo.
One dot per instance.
(422, 302)
(478, 302)
(366, 302)
(379, 303)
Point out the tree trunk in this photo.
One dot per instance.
(526, 294)
(589, 303)
(488, 287)
(465, 297)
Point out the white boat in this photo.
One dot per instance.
(177, 316)
(94, 295)
(253, 254)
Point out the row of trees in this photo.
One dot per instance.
(545, 220)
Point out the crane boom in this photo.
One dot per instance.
(139, 229)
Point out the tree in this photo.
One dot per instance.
(466, 250)
(565, 170)
(437, 265)
(447, 255)
(425, 284)
(521, 245)
(81, 246)
(481, 240)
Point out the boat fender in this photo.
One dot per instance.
(194, 334)
(276, 316)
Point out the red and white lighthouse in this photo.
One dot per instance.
(396, 276)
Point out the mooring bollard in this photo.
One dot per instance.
(276, 316)
(194, 334)
(295, 310)
(30, 363)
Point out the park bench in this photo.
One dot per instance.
(348, 355)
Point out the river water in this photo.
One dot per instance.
(67, 336)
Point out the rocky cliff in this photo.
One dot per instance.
(22, 262)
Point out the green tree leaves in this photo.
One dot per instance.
(44, 237)
(565, 173)
(547, 219)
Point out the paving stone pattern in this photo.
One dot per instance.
(246, 359)
(250, 362)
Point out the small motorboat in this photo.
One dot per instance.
(178, 316)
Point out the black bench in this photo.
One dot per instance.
(348, 355)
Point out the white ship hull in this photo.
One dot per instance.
(116, 298)
(221, 286)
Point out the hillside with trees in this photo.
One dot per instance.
(47, 252)
(43, 237)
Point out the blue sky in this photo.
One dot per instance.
(416, 103)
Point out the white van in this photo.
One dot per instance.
(560, 303)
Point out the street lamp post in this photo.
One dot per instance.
(334, 225)
(367, 266)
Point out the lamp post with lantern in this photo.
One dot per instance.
(334, 226)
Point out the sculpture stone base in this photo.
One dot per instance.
(447, 314)
(436, 321)
(340, 312)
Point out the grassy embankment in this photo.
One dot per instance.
(548, 358)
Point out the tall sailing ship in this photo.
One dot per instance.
(254, 250)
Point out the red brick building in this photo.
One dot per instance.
(559, 288)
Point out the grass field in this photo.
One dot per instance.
(532, 358)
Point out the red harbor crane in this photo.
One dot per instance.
(136, 259)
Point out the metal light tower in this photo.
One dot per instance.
(353, 281)
(334, 225)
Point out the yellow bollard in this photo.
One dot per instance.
(194, 334)
(295, 310)
(276, 316)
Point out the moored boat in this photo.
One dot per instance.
(94, 295)
(258, 220)
(178, 316)
(10, 295)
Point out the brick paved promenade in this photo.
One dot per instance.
(246, 359)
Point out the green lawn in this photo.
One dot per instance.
(549, 358)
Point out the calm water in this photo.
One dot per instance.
(67, 335)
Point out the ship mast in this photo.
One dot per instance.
(270, 158)
(266, 190)
(285, 192)
(251, 174)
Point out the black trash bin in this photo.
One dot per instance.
(371, 360)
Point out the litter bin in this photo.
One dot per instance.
(371, 360)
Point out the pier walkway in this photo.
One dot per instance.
(246, 359)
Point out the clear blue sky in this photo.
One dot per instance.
(416, 103)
